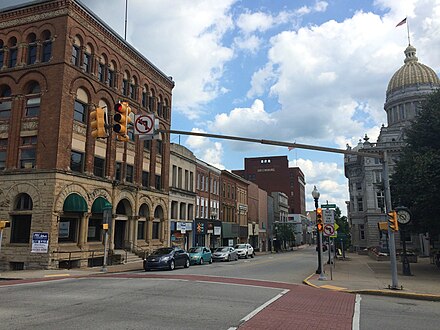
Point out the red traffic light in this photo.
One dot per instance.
(320, 227)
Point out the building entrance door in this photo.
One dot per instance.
(119, 234)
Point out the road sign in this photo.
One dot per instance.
(328, 206)
(144, 124)
(329, 229)
(336, 226)
(329, 216)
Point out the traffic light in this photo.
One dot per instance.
(392, 221)
(4, 224)
(319, 224)
(122, 119)
(97, 121)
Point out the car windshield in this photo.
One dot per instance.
(240, 246)
(222, 249)
(195, 250)
(162, 251)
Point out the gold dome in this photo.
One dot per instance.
(412, 73)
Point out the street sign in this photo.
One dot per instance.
(329, 229)
(336, 226)
(144, 124)
(329, 216)
(328, 206)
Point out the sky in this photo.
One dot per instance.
(307, 71)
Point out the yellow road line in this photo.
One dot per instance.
(56, 275)
(332, 287)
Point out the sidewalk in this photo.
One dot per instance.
(362, 274)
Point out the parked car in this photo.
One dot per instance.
(224, 253)
(245, 250)
(199, 255)
(167, 258)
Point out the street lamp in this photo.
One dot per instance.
(320, 270)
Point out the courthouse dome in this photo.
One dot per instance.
(412, 73)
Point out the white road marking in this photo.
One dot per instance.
(357, 313)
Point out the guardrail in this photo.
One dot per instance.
(72, 256)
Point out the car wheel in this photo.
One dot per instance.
(201, 261)
(172, 265)
(186, 263)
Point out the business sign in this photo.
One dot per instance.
(40, 242)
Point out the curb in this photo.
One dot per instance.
(407, 295)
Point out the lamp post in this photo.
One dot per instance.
(320, 270)
(107, 218)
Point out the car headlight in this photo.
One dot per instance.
(196, 257)
(166, 258)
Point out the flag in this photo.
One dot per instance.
(290, 148)
(401, 22)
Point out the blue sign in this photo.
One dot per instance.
(40, 242)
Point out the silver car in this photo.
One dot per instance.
(224, 253)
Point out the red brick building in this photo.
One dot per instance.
(273, 174)
(58, 61)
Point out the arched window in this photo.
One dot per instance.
(144, 96)
(76, 52)
(102, 68)
(111, 78)
(151, 101)
(125, 84)
(21, 219)
(132, 88)
(160, 106)
(87, 59)
(5, 102)
(32, 49)
(80, 108)
(13, 52)
(47, 46)
(157, 222)
(33, 100)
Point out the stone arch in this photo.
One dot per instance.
(124, 194)
(30, 76)
(66, 191)
(27, 188)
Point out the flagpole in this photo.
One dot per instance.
(407, 29)
(125, 27)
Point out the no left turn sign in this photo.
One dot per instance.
(144, 124)
(329, 229)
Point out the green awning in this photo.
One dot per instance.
(75, 203)
(100, 204)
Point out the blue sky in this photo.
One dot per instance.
(312, 72)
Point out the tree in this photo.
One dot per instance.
(416, 180)
(344, 227)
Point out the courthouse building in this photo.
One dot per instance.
(58, 61)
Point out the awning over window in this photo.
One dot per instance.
(75, 203)
(100, 204)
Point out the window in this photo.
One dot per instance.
(129, 174)
(68, 229)
(147, 144)
(132, 91)
(28, 152)
(77, 161)
(98, 167)
(380, 200)
(5, 109)
(32, 53)
(156, 229)
(101, 71)
(174, 177)
(86, 62)
(111, 78)
(33, 107)
(47, 46)
(158, 183)
(75, 55)
(145, 179)
(21, 223)
(124, 87)
(144, 98)
(80, 110)
(2, 53)
(151, 102)
(3, 149)
(141, 230)
(179, 178)
(13, 57)
(94, 230)
(360, 204)
(159, 145)
(118, 171)
(361, 231)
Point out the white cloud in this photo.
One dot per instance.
(205, 149)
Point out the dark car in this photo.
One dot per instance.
(167, 258)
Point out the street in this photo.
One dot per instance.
(260, 293)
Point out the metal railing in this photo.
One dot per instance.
(136, 249)
(74, 256)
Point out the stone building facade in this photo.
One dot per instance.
(407, 89)
(58, 61)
